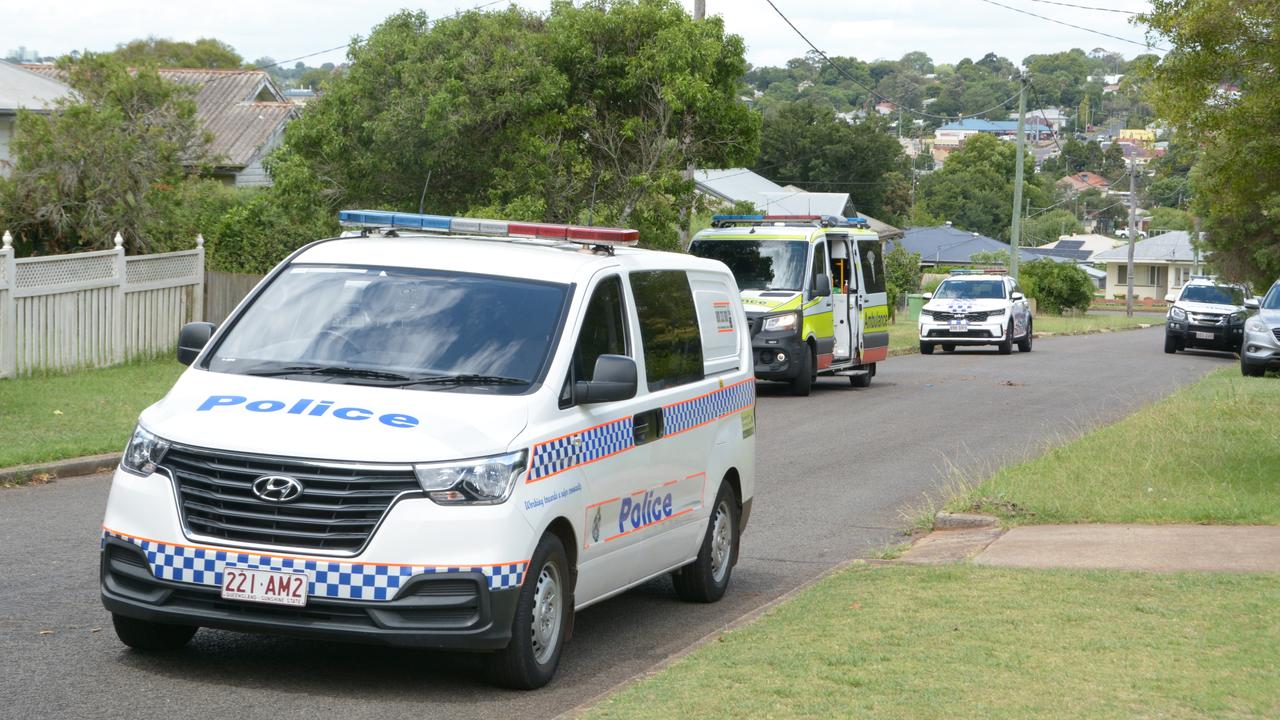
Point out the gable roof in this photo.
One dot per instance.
(806, 203)
(735, 185)
(242, 109)
(1078, 247)
(948, 245)
(1084, 181)
(1170, 247)
(22, 89)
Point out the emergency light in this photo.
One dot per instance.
(497, 228)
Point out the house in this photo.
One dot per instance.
(949, 137)
(947, 245)
(1161, 265)
(21, 89)
(243, 111)
(1081, 181)
(1081, 248)
(886, 108)
(1055, 118)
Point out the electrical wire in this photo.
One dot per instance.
(1077, 27)
(1088, 7)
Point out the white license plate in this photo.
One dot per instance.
(274, 587)
(959, 326)
(1204, 336)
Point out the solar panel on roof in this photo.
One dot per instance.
(1070, 244)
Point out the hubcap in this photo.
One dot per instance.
(721, 542)
(547, 610)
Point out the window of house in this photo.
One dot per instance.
(1153, 275)
(1122, 275)
(668, 328)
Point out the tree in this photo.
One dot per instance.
(1056, 286)
(162, 52)
(1217, 86)
(100, 162)
(1168, 218)
(974, 188)
(1047, 227)
(902, 273)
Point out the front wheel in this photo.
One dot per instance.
(151, 636)
(544, 613)
(1170, 344)
(926, 348)
(803, 381)
(1248, 369)
(706, 578)
(1006, 346)
(1024, 345)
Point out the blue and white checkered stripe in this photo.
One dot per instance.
(556, 456)
(339, 580)
(689, 414)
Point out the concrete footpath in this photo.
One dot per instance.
(1151, 548)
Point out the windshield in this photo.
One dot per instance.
(759, 264)
(424, 329)
(1213, 294)
(1272, 300)
(970, 290)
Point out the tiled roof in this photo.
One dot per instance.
(241, 109)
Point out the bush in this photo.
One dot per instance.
(902, 273)
(1056, 286)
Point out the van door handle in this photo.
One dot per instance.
(647, 426)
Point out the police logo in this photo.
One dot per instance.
(595, 527)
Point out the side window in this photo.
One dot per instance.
(819, 264)
(872, 265)
(604, 328)
(668, 328)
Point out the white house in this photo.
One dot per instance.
(1161, 265)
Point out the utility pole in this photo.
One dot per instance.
(1133, 235)
(691, 171)
(1015, 234)
(699, 9)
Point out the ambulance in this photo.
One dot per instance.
(814, 291)
(445, 433)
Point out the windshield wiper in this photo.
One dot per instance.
(333, 370)
(463, 379)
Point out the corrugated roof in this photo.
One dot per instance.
(241, 109)
(948, 245)
(736, 185)
(805, 203)
(21, 88)
(1172, 246)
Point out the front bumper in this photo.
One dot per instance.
(1261, 348)
(978, 333)
(767, 348)
(1223, 337)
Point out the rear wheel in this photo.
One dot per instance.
(803, 381)
(926, 348)
(1170, 343)
(1024, 345)
(863, 379)
(151, 636)
(544, 612)
(1248, 369)
(705, 579)
(1006, 346)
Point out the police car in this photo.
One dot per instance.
(976, 308)
(445, 433)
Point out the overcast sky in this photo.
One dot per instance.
(947, 29)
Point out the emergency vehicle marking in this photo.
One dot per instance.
(299, 407)
(576, 449)
(327, 578)
(622, 516)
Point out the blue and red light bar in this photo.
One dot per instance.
(496, 228)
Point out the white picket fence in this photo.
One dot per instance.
(94, 309)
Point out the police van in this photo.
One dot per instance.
(814, 291)
(443, 433)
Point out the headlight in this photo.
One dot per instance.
(777, 323)
(1255, 324)
(143, 452)
(1177, 313)
(1238, 317)
(995, 313)
(926, 313)
(483, 481)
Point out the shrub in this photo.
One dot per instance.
(1056, 286)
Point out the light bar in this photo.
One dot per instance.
(784, 218)
(492, 228)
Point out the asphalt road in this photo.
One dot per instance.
(836, 471)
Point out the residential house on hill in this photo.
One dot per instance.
(21, 89)
(1081, 181)
(243, 111)
(1161, 265)
(949, 137)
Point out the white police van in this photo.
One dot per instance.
(444, 432)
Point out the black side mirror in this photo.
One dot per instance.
(614, 379)
(192, 339)
(822, 285)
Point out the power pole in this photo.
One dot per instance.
(1015, 234)
(691, 171)
(699, 9)
(1133, 235)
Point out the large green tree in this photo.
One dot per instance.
(1217, 85)
(162, 52)
(974, 188)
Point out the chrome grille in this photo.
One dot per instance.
(338, 510)
(1207, 319)
(970, 317)
(1276, 332)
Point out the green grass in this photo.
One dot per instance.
(1207, 454)
(970, 642)
(53, 417)
(904, 341)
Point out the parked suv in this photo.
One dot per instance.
(1260, 349)
(1205, 314)
(976, 309)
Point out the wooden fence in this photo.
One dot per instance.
(223, 291)
(96, 308)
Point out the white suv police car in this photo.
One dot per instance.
(451, 438)
(1205, 314)
(976, 309)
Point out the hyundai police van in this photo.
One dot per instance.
(814, 291)
(976, 308)
(443, 433)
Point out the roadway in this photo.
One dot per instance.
(837, 472)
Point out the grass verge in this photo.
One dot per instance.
(972, 642)
(1206, 454)
(54, 417)
(904, 341)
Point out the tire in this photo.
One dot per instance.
(863, 380)
(1024, 345)
(948, 347)
(537, 638)
(1006, 346)
(1250, 370)
(706, 578)
(926, 348)
(1170, 344)
(151, 636)
(802, 383)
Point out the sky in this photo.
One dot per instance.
(949, 30)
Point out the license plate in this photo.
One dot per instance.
(959, 326)
(1204, 336)
(274, 587)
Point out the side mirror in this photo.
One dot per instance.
(614, 379)
(928, 297)
(1253, 303)
(1171, 298)
(1018, 296)
(822, 285)
(192, 339)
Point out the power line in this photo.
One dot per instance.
(332, 49)
(871, 92)
(1088, 7)
(1077, 27)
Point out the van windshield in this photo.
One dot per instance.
(759, 264)
(396, 327)
(1213, 294)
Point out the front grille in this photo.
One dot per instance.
(338, 510)
(970, 317)
(1276, 332)
(1207, 319)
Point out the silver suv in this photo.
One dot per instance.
(1261, 348)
